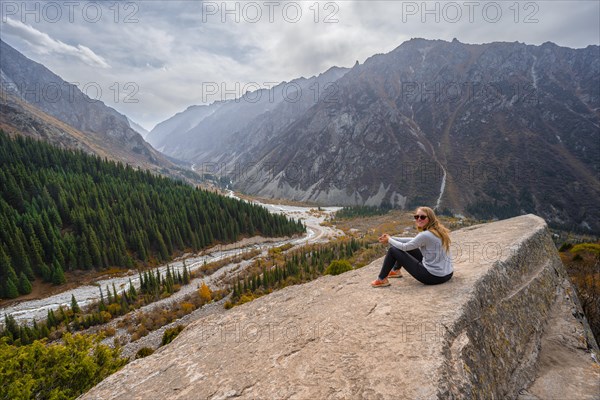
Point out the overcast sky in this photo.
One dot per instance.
(152, 59)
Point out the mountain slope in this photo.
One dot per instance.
(138, 128)
(160, 136)
(493, 130)
(62, 210)
(201, 132)
(36, 102)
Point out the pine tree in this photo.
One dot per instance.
(158, 280)
(96, 256)
(63, 316)
(109, 295)
(142, 283)
(162, 247)
(51, 319)
(24, 284)
(46, 273)
(19, 257)
(10, 327)
(11, 290)
(58, 276)
(169, 275)
(85, 259)
(101, 304)
(74, 306)
(44, 331)
(132, 291)
(5, 265)
(141, 249)
(124, 304)
(35, 252)
(115, 294)
(186, 274)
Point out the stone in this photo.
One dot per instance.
(477, 336)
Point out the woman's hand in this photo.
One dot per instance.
(384, 238)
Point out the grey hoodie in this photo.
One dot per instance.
(435, 258)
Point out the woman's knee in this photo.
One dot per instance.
(395, 252)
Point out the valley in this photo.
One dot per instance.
(27, 311)
(181, 179)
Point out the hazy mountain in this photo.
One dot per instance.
(138, 128)
(205, 131)
(493, 130)
(162, 134)
(36, 102)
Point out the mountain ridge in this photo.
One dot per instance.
(187, 132)
(492, 130)
(36, 102)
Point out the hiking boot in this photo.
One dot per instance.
(380, 283)
(395, 274)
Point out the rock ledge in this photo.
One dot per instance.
(481, 335)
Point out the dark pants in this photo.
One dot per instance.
(411, 261)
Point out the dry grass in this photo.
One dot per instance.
(583, 268)
(396, 223)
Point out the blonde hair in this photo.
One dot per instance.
(435, 226)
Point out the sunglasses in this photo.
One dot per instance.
(421, 217)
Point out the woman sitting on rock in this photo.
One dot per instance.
(426, 256)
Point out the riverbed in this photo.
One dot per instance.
(27, 311)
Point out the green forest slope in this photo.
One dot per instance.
(63, 210)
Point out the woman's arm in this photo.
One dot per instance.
(411, 244)
(401, 239)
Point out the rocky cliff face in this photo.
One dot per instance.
(489, 333)
(493, 130)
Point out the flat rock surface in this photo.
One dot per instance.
(333, 338)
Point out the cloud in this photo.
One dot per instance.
(169, 50)
(42, 43)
